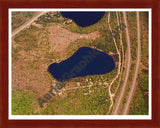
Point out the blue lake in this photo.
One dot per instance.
(84, 19)
(85, 61)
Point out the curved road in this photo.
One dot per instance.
(126, 109)
(128, 64)
(115, 112)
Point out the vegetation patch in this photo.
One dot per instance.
(19, 18)
(22, 103)
(144, 38)
(139, 105)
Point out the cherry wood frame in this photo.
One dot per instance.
(6, 4)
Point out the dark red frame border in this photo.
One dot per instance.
(6, 4)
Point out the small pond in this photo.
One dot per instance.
(85, 61)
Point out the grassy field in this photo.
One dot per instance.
(144, 38)
(139, 104)
(19, 18)
(76, 103)
(51, 17)
(132, 25)
(23, 103)
(32, 53)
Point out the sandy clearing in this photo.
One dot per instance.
(29, 73)
(60, 38)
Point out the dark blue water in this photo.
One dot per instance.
(84, 19)
(85, 61)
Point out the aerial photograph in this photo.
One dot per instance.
(80, 62)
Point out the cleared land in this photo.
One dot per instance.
(47, 37)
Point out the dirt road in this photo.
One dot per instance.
(115, 111)
(126, 109)
(27, 23)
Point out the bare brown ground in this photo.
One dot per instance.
(60, 38)
(30, 73)
(30, 77)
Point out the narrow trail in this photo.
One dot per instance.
(115, 112)
(119, 54)
(28, 23)
(121, 43)
(119, 66)
(126, 109)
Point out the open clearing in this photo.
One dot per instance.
(37, 44)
